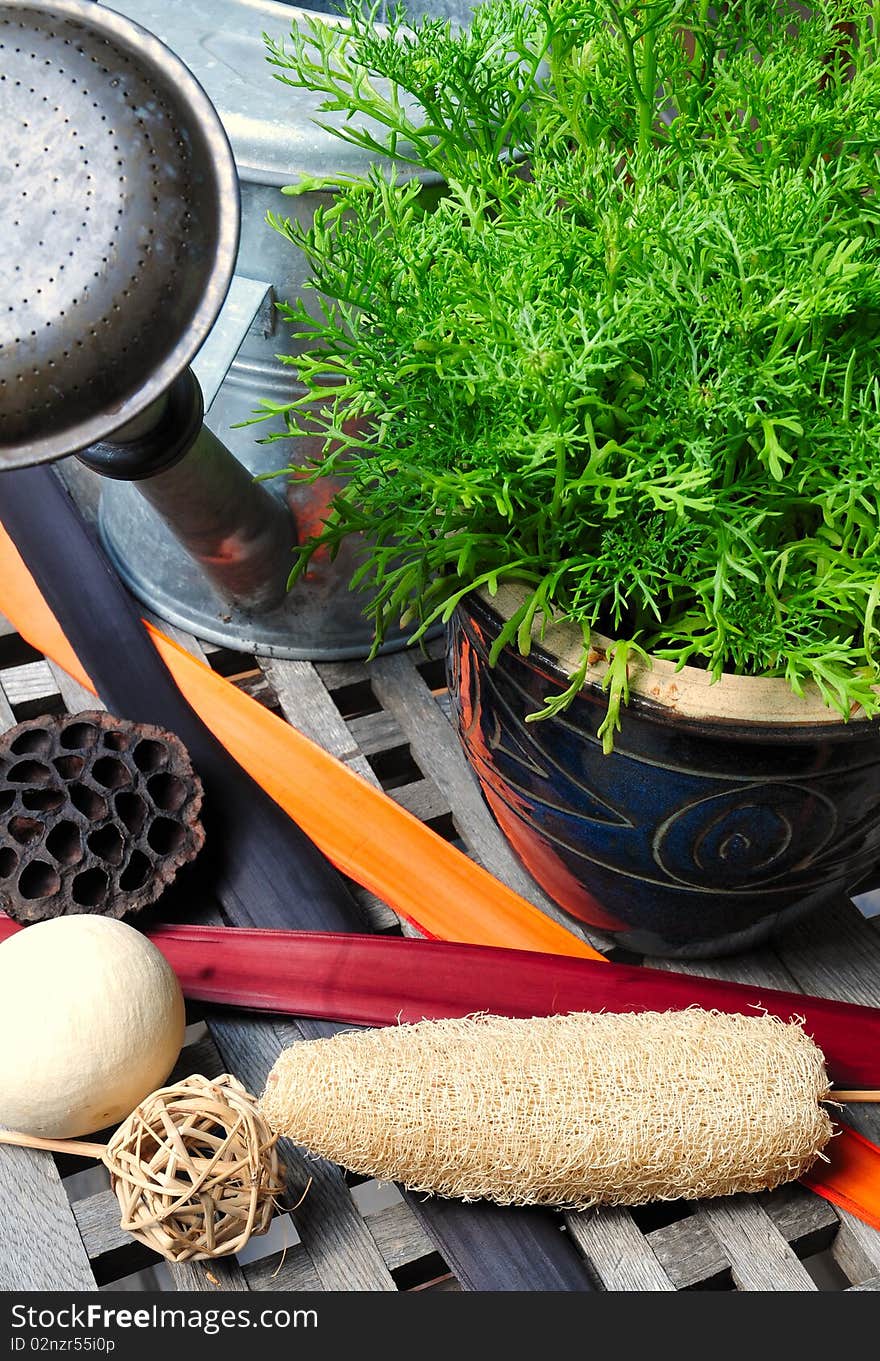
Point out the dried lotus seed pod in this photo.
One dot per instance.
(97, 814)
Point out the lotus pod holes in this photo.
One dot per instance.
(42, 800)
(115, 741)
(167, 792)
(69, 767)
(96, 815)
(108, 843)
(111, 773)
(78, 735)
(149, 756)
(30, 773)
(135, 873)
(38, 880)
(89, 889)
(132, 811)
(23, 829)
(89, 802)
(32, 743)
(64, 843)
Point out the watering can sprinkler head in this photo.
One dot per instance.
(119, 201)
(120, 208)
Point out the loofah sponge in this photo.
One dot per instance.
(572, 1111)
(97, 814)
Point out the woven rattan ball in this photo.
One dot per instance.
(195, 1170)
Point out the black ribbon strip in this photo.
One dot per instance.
(263, 869)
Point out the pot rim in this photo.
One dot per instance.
(688, 693)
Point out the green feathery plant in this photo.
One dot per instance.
(628, 356)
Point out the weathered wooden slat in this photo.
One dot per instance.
(361, 766)
(292, 1271)
(689, 1253)
(805, 1221)
(872, 1284)
(617, 1250)
(376, 913)
(7, 717)
(855, 1249)
(40, 1245)
(76, 697)
(97, 1219)
(308, 707)
(202, 1057)
(834, 954)
(760, 968)
(760, 1258)
(30, 684)
(339, 675)
(402, 692)
(374, 733)
(222, 1274)
(399, 1235)
(312, 712)
(422, 798)
(397, 1232)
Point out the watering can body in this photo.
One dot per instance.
(275, 142)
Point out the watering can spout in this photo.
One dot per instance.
(239, 535)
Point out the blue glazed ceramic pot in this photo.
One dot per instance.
(725, 811)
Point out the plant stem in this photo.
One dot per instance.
(527, 91)
(559, 478)
(629, 53)
(648, 86)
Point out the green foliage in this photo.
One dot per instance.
(629, 356)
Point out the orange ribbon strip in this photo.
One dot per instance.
(377, 843)
(364, 833)
(852, 1178)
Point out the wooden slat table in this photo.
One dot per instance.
(388, 720)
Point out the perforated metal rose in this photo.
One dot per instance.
(97, 814)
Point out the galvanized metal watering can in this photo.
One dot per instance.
(97, 335)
